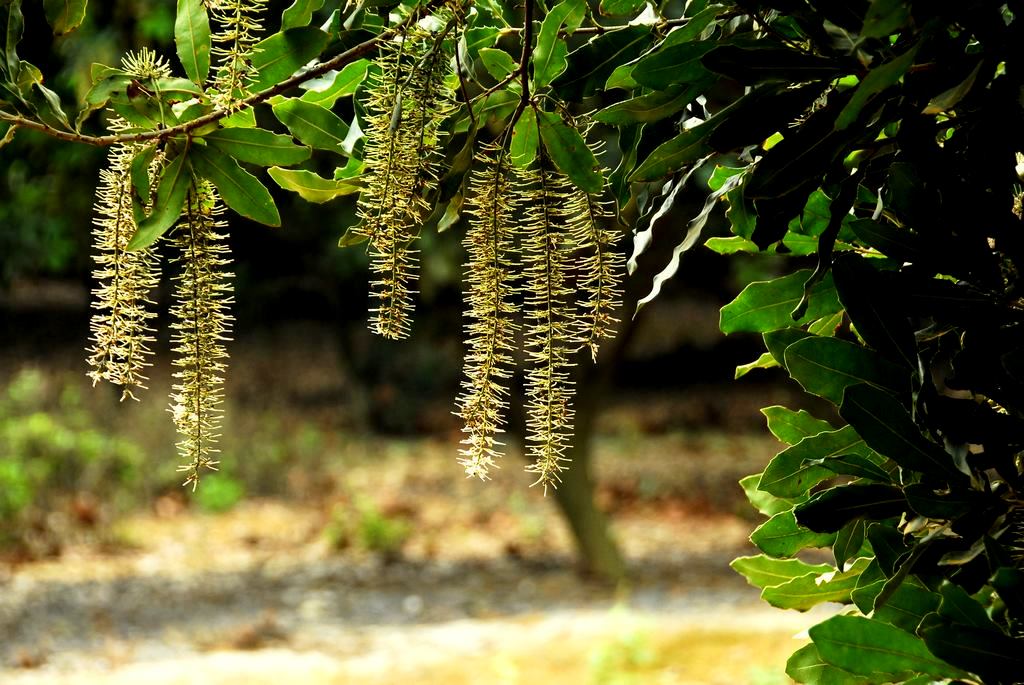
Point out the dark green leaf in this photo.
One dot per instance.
(857, 466)
(240, 190)
(675, 64)
(312, 124)
(313, 187)
(651, 107)
(959, 607)
(926, 500)
(766, 305)
(849, 542)
(886, 426)
(64, 16)
(792, 472)
(995, 657)
(767, 62)
(673, 155)
(277, 57)
(778, 341)
(570, 153)
(829, 510)
(498, 63)
(258, 146)
(885, 17)
(877, 80)
(172, 187)
(866, 647)
(192, 39)
(299, 13)
(827, 366)
(781, 536)
(791, 426)
(591, 64)
(910, 603)
(13, 24)
(872, 304)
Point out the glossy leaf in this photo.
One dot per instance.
(827, 366)
(886, 426)
(792, 472)
(549, 52)
(765, 361)
(258, 146)
(192, 39)
(646, 108)
(172, 187)
(675, 153)
(997, 658)
(675, 65)
(766, 305)
(765, 503)
(829, 510)
(791, 426)
(299, 13)
(849, 543)
(569, 152)
(782, 536)
(525, 139)
(592, 64)
(328, 90)
(810, 590)
(807, 666)
(877, 80)
(498, 63)
(312, 124)
(866, 647)
(277, 57)
(240, 190)
(762, 571)
(908, 605)
(621, 8)
(313, 187)
(64, 16)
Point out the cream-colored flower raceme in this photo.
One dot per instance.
(489, 288)
(552, 328)
(202, 324)
(124, 281)
(239, 27)
(409, 97)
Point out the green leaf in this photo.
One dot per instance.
(312, 124)
(570, 153)
(781, 536)
(192, 39)
(791, 426)
(313, 187)
(299, 13)
(64, 16)
(258, 146)
(498, 63)
(277, 57)
(451, 214)
(908, 605)
(651, 107)
(947, 100)
(792, 472)
(328, 90)
(778, 341)
(829, 510)
(767, 62)
(810, 590)
(731, 245)
(807, 666)
(765, 361)
(765, 503)
(766, 305)
(827, 366)
(549, 52)
(959, 607)
(877, 80)
(621, 8)
(591, 64)
(885, 424)
(763, 571)
(675, 64)
(849, 542)
(857, 466)
(240, 190)
(13, 24)
(866, 647)
(885, 17)
(867, 296)
(995, 657)
(172, 187)
(676, 153)
(525, 139)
